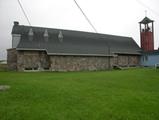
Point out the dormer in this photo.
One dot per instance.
(30, 34)
(46, 35)
(60, 36)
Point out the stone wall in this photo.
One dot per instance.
(12, 59)
(127, 60)
(39, 60)
(32, 60)
(87, 63)
(134, 60)
(78, 63)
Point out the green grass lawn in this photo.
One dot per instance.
(107, 95)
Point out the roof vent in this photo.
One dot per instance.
(60, 36)
(30, 34)
(46, 35)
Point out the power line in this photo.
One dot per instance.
(24, 12)
(85, 16)
(144, 5)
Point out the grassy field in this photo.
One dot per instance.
(3, 67)
(107, 95)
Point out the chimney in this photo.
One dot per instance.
(16, 23)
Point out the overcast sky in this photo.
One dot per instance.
(117, 17)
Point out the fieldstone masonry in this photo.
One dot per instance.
(32, 60)
(39, 60)
(78, 63)
(12, 59)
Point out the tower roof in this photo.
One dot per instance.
(146, 20)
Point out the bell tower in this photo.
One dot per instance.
(147, 34)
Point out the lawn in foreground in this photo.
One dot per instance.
(107, 95)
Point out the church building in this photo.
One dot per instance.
(39, 48)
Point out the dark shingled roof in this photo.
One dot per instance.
(146, 20)
(74, 42)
